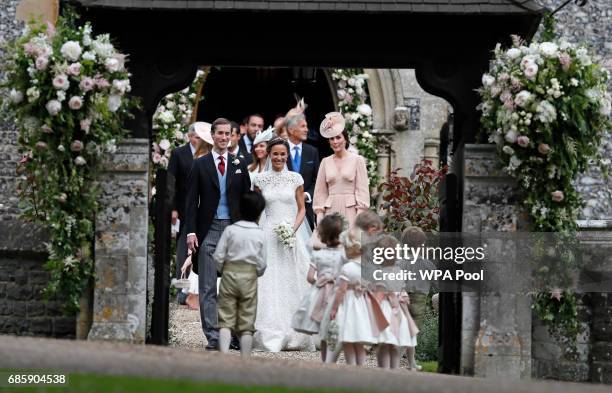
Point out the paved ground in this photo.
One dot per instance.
(165, 362)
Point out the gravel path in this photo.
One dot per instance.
(185, 331)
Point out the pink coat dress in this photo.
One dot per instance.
(342, 188)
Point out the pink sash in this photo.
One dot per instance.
(378, 321)
(414, 330)
(325, 283)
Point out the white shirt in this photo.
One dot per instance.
(235, 151)
(193, 149)
(242, 241)
(248, 142)
(292, 152)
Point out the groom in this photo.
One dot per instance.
(216, 183)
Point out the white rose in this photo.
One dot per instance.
(508, 150)
(169, 104)
(179, 135)
(71, 50)
(605, 105)
(522, 98)
(74, 69)
(61, 95)
(164, 144)
(16, 96)
(166, 117)
(574, 82)
(488, 80)
(351, 81)
(53, 107)
(102, 49)
(112, 64)
(511, 136)
(513, 53)
(364, 109)
(80, 161)
(531, 71)
(549, 49)
(114, 102)
(75, 103)
(41, 63)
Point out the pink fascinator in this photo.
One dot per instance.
(332, 125)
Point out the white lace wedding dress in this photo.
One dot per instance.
(283, 284)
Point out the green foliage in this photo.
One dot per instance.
(546, 107)
(68, 100)
(427, 339)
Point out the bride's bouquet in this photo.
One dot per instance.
(285, 234)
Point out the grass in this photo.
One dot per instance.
(429, 367)
(90, 383)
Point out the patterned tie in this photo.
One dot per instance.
(297, 159)
(221, 166)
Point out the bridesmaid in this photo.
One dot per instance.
(342, 182)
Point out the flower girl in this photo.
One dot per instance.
(401, 332)
(355, 310)
(326, 264)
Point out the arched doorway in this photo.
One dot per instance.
(236, 92)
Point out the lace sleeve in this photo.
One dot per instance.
(298, 180)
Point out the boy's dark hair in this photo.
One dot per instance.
(251, 205)
(387, 241)
(329, 229)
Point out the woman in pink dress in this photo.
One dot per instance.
(342, 182)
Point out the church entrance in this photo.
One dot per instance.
(236, 92)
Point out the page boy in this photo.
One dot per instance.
(240, 257)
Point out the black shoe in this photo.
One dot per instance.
(212, 346)
(235, 343)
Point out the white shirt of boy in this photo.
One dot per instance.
(242, 241)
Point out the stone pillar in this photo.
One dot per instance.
(385, 151)
(432, 151)
(121, 246)
(496, 327)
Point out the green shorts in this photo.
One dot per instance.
(237, 300)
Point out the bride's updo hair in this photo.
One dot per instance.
(351, 240)
(277, 141)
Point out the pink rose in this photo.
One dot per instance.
(41, 145)
(505, 96)
(101, 82)
(531, 71)
(74, 69)
(46, 129)
(61, 82)
(557, 196)
(87, 84)
(41, 63)
(30, 49)
(75, 103)
(565, 60)
(522, 141)
(156, 158)
(509, 104)
(85, 124)
(76, 146)
(543, 148)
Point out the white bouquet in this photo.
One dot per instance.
(285, 234)
(331, 337)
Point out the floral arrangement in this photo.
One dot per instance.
(414, 200)
(353, 103)
(285, 234)
(546, 108)
(66, 91)
(331, 337)
(171, 119)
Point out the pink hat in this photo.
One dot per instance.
(203, 130)
(332, 125)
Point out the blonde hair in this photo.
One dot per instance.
(203, 149)
(387, 241)
(351, 240)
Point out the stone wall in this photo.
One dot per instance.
(591, 25)
(500, 336)
(23, 310)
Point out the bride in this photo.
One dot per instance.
(281, 288)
